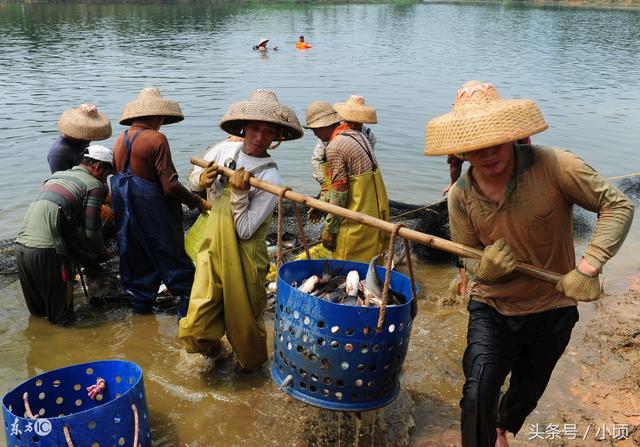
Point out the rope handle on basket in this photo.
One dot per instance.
(303, 237)
(136, 428)
(98, 388)
(280, 201)
(414, 302)
(387, 276)
(27, 407)
(296, 211)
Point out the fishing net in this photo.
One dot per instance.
(431, 219)
(8, 270)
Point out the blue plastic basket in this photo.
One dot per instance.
(336, 358)
(60, 400)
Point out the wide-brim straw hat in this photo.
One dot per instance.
(480, 118)
(321, 114)
(85, 123)
(151, 103)
(263, 106)
(355, 110)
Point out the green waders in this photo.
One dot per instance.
(228, 294)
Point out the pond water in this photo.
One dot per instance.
(580, 65)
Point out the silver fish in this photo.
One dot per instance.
(309, 284)
(352, 283)
(373, 285)
(286, 382)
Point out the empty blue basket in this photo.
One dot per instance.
(336, 358)
(67, 416)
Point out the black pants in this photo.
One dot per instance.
(528, 346)
(44, 277)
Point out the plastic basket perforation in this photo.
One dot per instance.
(59, 399)
(332, 352)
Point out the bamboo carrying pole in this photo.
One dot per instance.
(415, 236)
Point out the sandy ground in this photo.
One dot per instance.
(594, 395)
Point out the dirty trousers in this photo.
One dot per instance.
(44, 278)
(528, 346)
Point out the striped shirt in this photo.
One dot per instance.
(349, 153)
(74, 195)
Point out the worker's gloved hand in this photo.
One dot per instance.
(328, 239)
(203, 205)
(497, 261)
(314, 215)
(580, 286)
(240, 179)
(208, 176)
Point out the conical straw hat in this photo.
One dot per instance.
(480, 118)
(151, 103)
(355, 110)
(263, 106)
(321, 114)
(85, 123)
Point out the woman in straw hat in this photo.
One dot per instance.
(147, 201)
(352, 180)
(228, 295)
(515, 203)
(78, 128)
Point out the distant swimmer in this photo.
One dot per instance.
(262, 45)
(301, 44)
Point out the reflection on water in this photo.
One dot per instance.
(580, 65)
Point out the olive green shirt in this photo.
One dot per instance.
(535, 218)
(77, 194)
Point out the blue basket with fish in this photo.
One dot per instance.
(329, 354)
(91, 404)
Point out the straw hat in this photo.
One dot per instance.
(480, 118)
(355, 110)
(321, 114)
(85, 123)
(151, 103)
(263, 40)
(263, 106)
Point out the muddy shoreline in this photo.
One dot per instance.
(593, 398)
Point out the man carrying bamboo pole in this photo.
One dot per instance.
(515, 202)
(228, 295)
(352, 179)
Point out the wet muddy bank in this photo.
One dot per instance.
(593, 398)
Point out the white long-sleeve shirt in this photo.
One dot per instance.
(249, 208)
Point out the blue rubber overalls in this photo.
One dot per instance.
(151, 238)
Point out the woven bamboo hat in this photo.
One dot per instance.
(263, 40)
(151, 103)
(263, 106)
(480, 118)
(85, 123)
(355, 110)
(321, 114)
